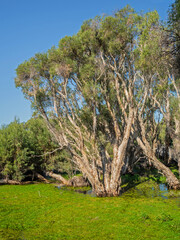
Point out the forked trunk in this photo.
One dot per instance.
(112, 170)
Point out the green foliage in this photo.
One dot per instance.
(174, 14)
(14, 151)
(174, 25)
(24, 149)
(162, 134)
(148, 50)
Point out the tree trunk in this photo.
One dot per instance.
(176, 142)
(119, 158)
(13, 182)
(78, 181)
(172, 181)
(167, 136)
(73, 182)
(39, 176)
(57, 177)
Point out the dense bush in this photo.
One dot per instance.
(27, 149)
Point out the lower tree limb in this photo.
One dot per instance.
(171, 179)
(58, 177)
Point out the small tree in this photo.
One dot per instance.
(14, 151)
(27, 149)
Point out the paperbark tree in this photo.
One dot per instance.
(87, 90)
(85, 87)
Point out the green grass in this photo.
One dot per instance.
(45, 212)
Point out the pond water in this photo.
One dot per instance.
(81, 190)
(149, 191)
(146, 189)
(152, 190)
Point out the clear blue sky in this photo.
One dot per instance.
(31, 26)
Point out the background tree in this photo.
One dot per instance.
(157, 75)
(174, 25)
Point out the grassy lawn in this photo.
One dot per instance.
(45, 212)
